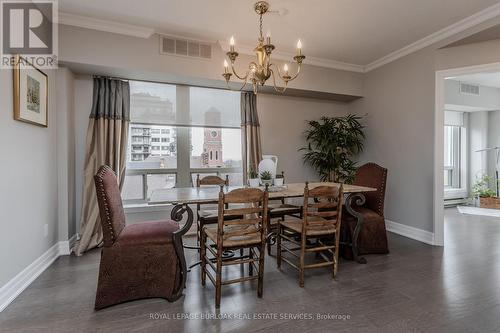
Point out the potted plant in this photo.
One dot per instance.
(487, 196)
(253, 178)
(331, 144)
(266, 178)
(278, 181)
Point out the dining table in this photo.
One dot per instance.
(182, 197)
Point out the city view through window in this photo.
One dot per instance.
(169, 142)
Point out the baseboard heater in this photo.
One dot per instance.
(455, 202)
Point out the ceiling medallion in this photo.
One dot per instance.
(261, 70)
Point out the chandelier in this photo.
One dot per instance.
(261, 70)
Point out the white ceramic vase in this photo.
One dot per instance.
(278, 181)
(254, 182)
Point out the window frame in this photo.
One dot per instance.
(455, 167)
(460, 167)
(183, 173)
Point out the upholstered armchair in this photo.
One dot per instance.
(373, 236)
(142, 260)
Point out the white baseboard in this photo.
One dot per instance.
(21, 281)
(66, 247)
(410, 232)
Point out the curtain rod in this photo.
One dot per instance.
(110, 77)
(162, 82)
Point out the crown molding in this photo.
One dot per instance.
(146, 32)
(105, 25)
(288, 56)
(449, 31)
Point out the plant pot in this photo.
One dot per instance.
(489, 202)
(266, 182)
(278, 181)
(254, 182)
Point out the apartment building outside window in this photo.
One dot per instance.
(177, 132)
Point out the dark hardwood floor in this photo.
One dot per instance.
(416, 288)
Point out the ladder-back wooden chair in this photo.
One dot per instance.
(278, 209)
(207, 215)
(317, 232)
(248, 232)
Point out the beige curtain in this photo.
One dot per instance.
(250, 129)
(107, 136)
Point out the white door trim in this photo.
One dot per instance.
(438, 194)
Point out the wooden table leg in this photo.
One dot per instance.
(358, 199)
(177, 215)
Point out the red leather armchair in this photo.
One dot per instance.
(137, 261)
(373, 236)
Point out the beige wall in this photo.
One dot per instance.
(65, 153)
(399, 103)
(399, 99)
(131, 57)
(283, 121)
(468, 55)
(28, 178)
(488, 99)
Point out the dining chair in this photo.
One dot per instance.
(141, 260)
(248, 232)
(317, 232)
(278, 209)
(372, 238)
(208, 215)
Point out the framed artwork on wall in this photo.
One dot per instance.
(30, 93)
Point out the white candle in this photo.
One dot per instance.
(285, 68)
(268, 37)
(231, 43)
(299, 48)
(225, 66)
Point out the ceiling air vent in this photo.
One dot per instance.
(469, 89)
(185, 47)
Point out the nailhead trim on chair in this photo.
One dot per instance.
(382, 190)
(100, 176)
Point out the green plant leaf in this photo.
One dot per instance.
(331, 144)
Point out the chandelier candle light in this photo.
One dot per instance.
(260, 71)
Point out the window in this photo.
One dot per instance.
(178, 132)
(455, 146)
(452, 156)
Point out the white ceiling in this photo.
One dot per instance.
(482, 79)
(352, 31)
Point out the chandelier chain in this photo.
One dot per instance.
(260, 27)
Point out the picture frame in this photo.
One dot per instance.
(31, 93)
